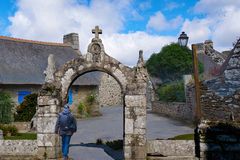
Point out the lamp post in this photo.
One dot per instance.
(183, 39)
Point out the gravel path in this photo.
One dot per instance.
(110, 127)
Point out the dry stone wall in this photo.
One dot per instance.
(110, 92)
(218, 140)
(215, 107)
(220, 97)
(18, 147)
(177, 110)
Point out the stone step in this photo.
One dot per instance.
(172, 158)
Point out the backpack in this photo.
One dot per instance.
(66, 122)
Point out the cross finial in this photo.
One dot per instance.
(97, 31)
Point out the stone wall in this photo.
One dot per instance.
(220, 97)
(176, 110)
(218, 140)
(190, 100)
(22, 126)
(110, 92)
(171, 147)
(79, 95)
(18, 147)
(215, 107)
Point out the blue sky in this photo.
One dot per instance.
(7, 8)
(170, 8)
(128, 25)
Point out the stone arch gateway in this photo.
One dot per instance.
(133, 82)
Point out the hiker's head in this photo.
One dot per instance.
(66, 108)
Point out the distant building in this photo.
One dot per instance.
(210, 58)
(23, 62)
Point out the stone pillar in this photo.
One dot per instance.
(48, 141)
(135, 127)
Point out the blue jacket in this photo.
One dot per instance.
(65, 118)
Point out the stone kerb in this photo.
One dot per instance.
(171, 147)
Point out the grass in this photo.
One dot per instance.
(183, 137)
(22, 136)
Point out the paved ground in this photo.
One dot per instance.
(110, 127)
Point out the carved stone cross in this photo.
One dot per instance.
(97, 31)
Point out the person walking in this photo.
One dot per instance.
(65, 127)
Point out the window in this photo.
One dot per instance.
(70, 96)
(21, 95)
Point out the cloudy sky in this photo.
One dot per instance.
(128, 25)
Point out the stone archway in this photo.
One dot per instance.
(133, 82)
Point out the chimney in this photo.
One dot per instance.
(72, 40)
(209, 43)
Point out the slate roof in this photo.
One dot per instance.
(24, 61)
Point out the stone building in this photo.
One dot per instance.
(110, 92)
(210, 58)
(220, 96)
(23, 62)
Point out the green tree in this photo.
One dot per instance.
(171, 63)
(6, 106)
(27, 109)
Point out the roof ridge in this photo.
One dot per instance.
(33, 41)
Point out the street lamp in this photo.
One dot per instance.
(183, 39)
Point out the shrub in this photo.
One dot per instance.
(116, 144)
(81, 108)
(99, 141)
(6, 107)
(85, 108)
(9, 129)
(172, 92)
(90, 99)
(27, 109)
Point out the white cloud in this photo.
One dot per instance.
(220, 22)
(173, 5)
(227, 30)
(145, 5)
(125, 47)
(215, 7)
(158, 22)
(50, 20)
(197, 30)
